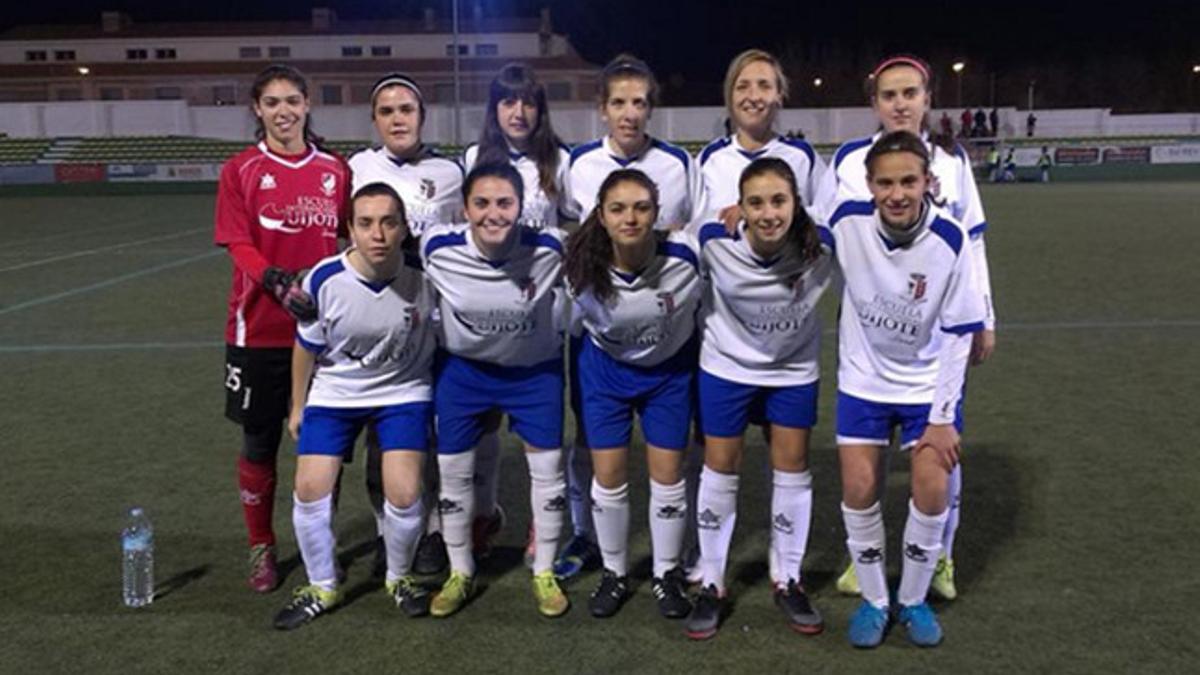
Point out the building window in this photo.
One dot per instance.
(164, 53)
(64, 55)
(331, 94)
(168, 93)
(558, 91)
(224, 95)
(249, 52)
(487, 49)
(279, 52)
(136, 55)
(381, 50)
(462, 50)
(352, 51)
(35, 56)
(111, 93)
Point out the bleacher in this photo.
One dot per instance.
(166, 149)
(17, 151)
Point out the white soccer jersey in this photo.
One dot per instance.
(538, 210)
(374, 341)
(498, 311)
(722, 162)
(670, 167)
(760, 321)
(953, 181)
(652, 314)
(897, 302)
(429, 184)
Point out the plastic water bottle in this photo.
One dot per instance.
(137, 547)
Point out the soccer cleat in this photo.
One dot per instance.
(801, 615)
(307, 603)
(922, 625)
(484, 530)
(669, 590)
(609, 595)
(579, 554)
(410, 597)
(551, 601)
(705, 618)
(264, 577)
(454, 595)
(431, 555)
(847, 584)
(943, 579)
(868, 626)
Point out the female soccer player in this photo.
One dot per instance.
(759, 362)
(628, 93)
(909, 307)
(637, 292)
(280, 205)
(899, 89)
(755, 90)
(371, 347)
(431, 187)
(516, 130)
(497, 282)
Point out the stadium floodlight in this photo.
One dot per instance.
(958, 67)
(83, 70)
(817, 82)
(1196, 69)
(958, 71)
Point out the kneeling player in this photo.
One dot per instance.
(909, 308)
(371, 348)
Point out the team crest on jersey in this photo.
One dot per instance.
(267, 182)
(916, 286)
(328, 184)
(666, 302)
(428, 188)
(528, 289)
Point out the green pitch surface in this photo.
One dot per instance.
(1077, 550)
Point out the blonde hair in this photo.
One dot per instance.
(744, 59)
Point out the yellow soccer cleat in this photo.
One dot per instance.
(943, 579)
(551, 601)
(454, 595)
(847, 584)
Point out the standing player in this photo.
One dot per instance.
(497, 284)
(637, 292)
(628, 94)
(755, 90)
(909, 308)
(371, 346)
(759, 362)
(431, 187)
(899, 91)
(280, 204)
(516, 130)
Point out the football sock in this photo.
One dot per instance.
(579, 485)
(457, 506)
(610, 511)
(547, 500)
(866, 541)
(668, 521)
(791, 517)
(313, 522)
(402, 530)
(717, 504)
(256, 486)
(953, 499)
(487, 473)
(922, 546)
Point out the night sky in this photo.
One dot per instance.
(1136, 59)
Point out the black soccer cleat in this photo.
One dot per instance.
(409, 596)
(431, 555)
(705, 618)
(307, 603)
(670, 592)
(608, 597)
(802, 617)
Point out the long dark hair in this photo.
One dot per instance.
(271, 73)
(802, 234)
(517, 81)
(590, 249)
(939, 139)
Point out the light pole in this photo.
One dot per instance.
(958, 68)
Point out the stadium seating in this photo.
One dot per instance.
(14, 151)
(132, 149)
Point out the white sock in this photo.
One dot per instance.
(547, 500)
(313, 522)
(866, 541)
(402, 530)
(922, 546)
(954, 498)
(716, 514)
(668, 522)
(610, 511)
(487, 473)
(456, 503)
(791, 517)
(579, 488)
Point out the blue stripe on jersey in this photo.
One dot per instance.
(713, 231)
(801, 144)
(964, 329)
(534, 238)
(847, 148)
(678, 153)
(713, 147)
(949, 232)
(676, 250)
(978, 230)
(321, 274)
(826, 237)
(313, 347)
(851, 208)
(962, 153)
(581, 150)
(442, 240)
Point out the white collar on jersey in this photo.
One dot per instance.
(422, 152)
(310, 151)
(611, 148)
(752, 154)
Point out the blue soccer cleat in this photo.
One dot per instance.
(868, 626)
(922, 625)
